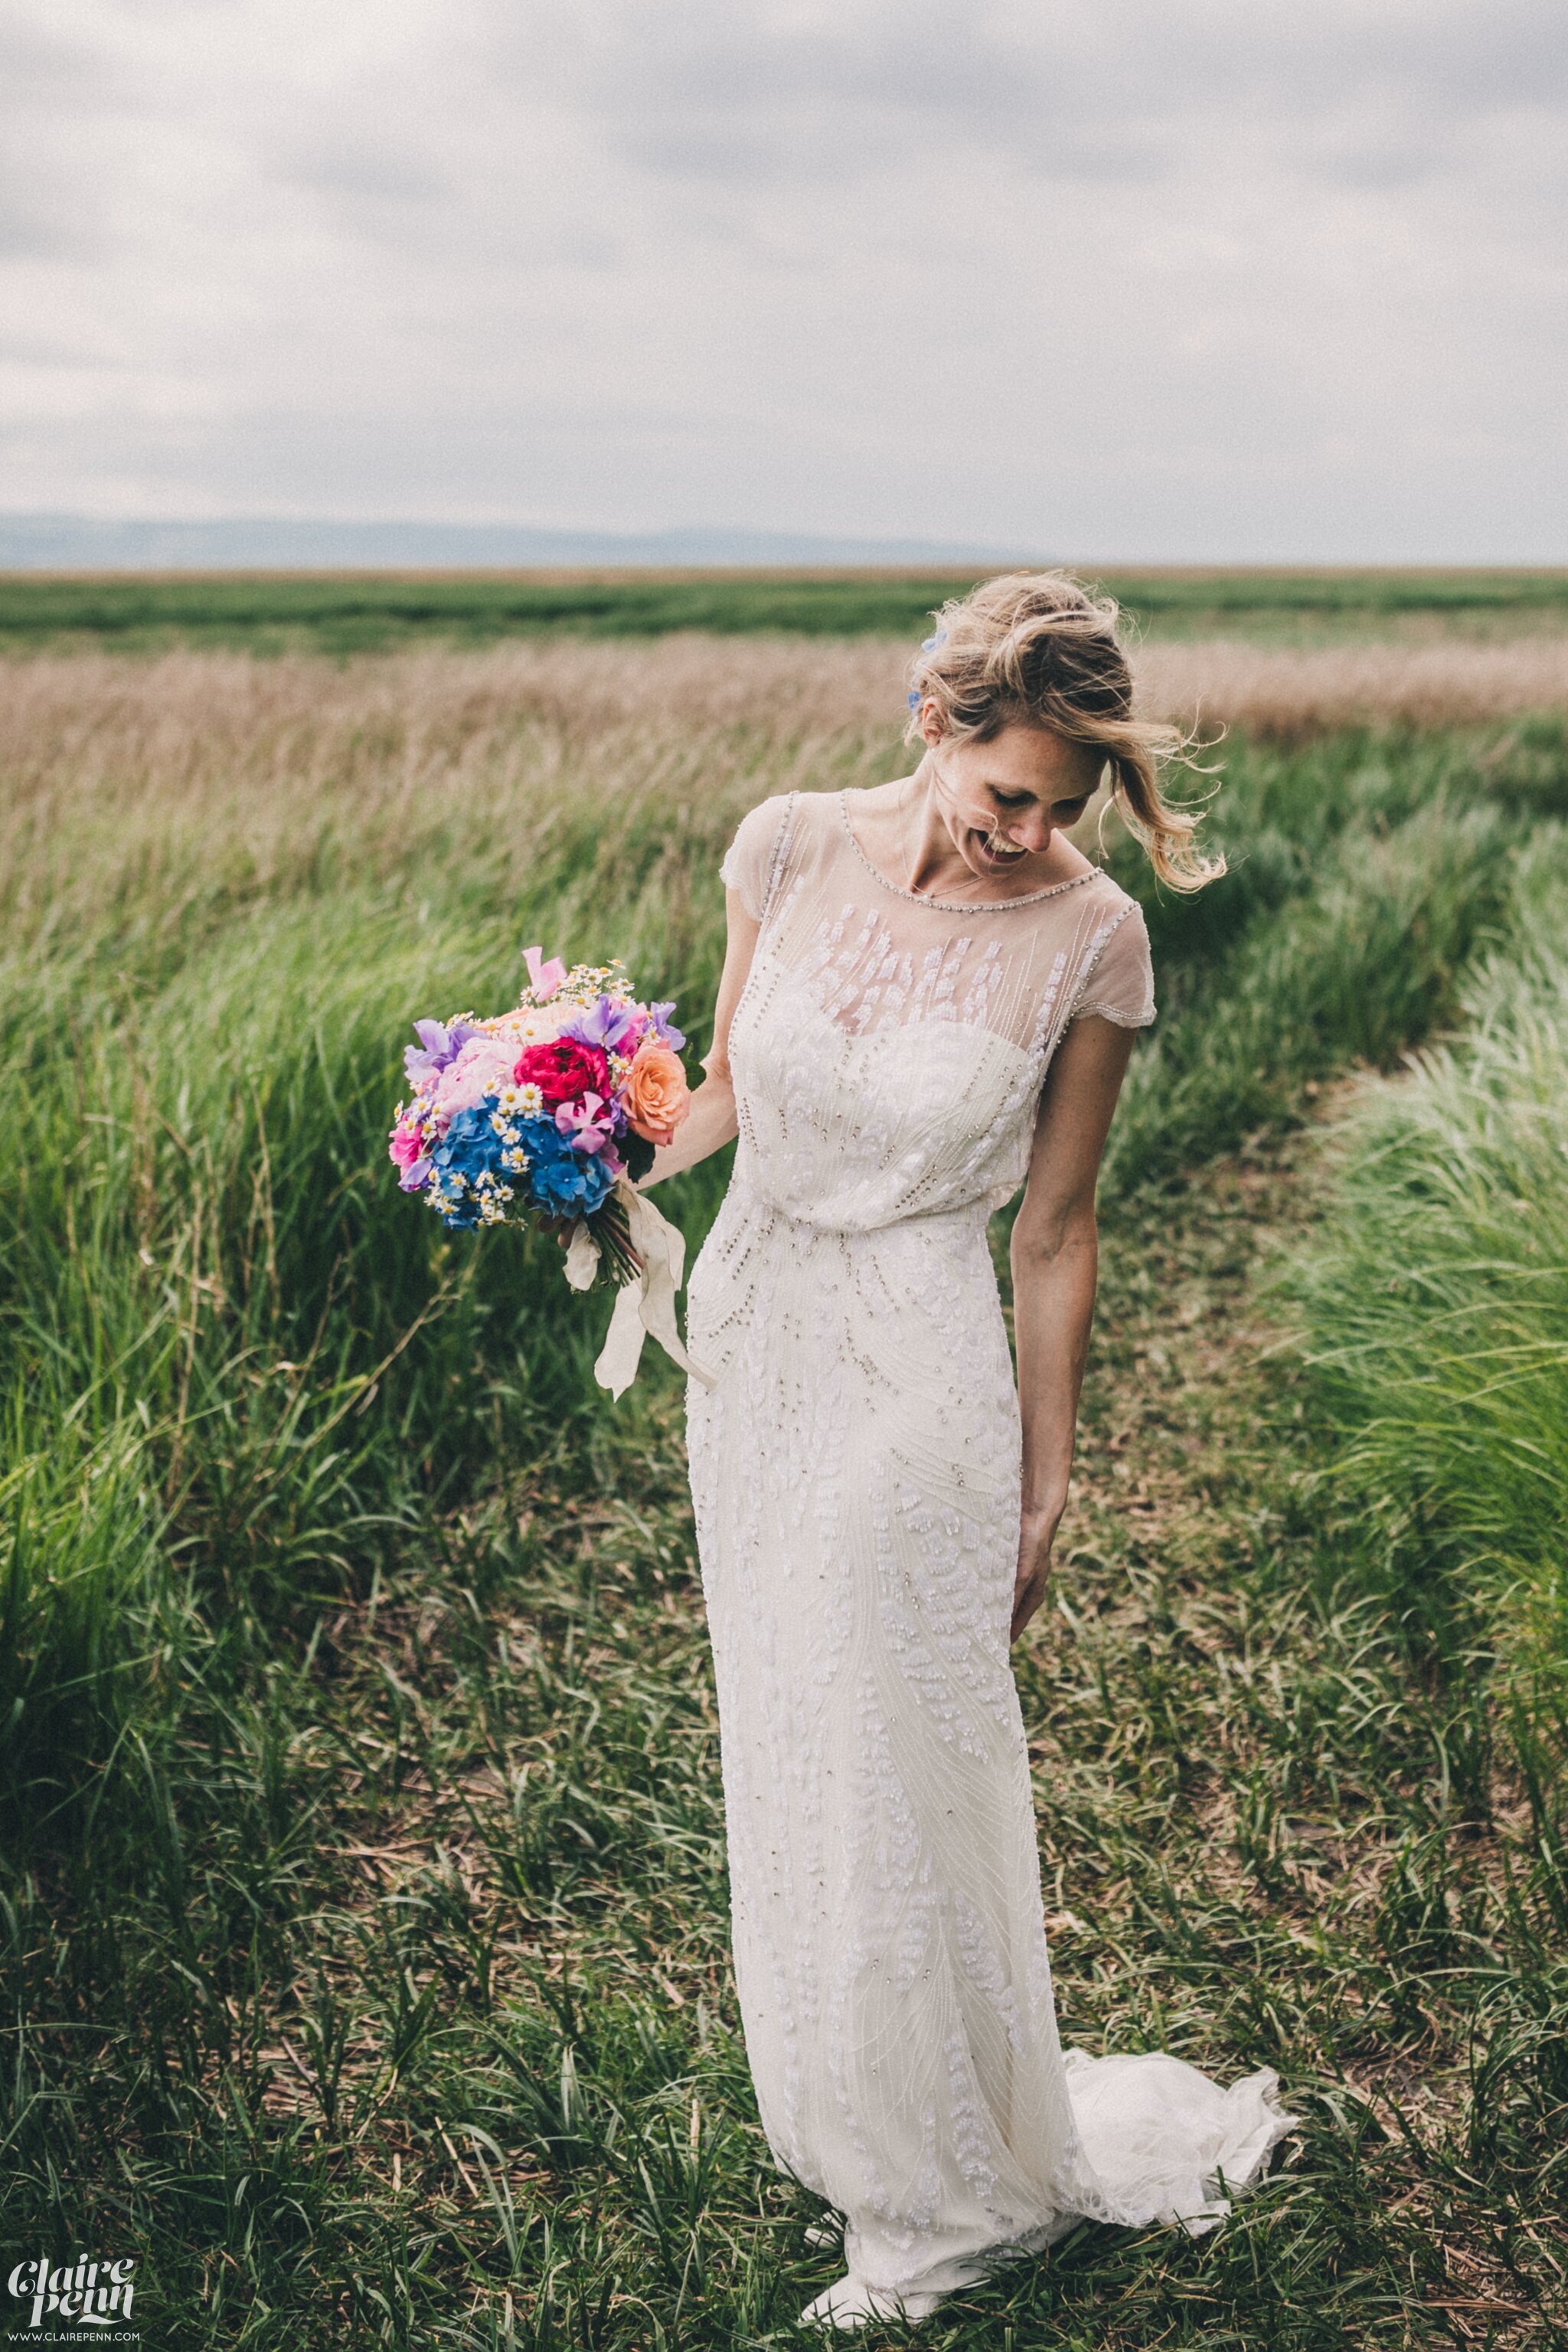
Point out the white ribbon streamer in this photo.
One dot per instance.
(581, 1257)
(644, 1305)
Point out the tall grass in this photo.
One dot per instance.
(1293, 694)
(232, 884)
(362, 1912)
(231, 889)
(1436, 1301)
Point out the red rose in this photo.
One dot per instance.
(562, 1070)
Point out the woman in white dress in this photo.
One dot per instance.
(929, 996)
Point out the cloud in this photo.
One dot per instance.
(48, 85)
(769, 90)
(1135, 280)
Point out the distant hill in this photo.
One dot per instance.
(58, 542)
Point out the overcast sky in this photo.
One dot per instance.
(1159, 279)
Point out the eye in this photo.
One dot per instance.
(1010, 800)
(1069, 812)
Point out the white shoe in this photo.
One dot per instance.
(848, 2304)
(821, 2234)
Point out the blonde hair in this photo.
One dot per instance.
(1038, 648)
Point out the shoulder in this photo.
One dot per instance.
(751, 863)
(1116, 976)
(770, 840)
(764, 823)
(1104, 889)
(1110, 905)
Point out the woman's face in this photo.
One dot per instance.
(1002, 800)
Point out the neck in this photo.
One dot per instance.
(933, 864)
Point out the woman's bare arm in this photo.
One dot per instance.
(711, 1122)
(1055, 1264)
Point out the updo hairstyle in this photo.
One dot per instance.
(1038, 648)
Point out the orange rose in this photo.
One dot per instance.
(656, 1095)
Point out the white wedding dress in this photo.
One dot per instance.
(855, 1474)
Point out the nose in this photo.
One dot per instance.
(1030, 830)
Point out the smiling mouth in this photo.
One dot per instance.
(994, 849)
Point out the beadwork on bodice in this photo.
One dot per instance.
(888, 1050)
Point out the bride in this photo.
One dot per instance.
(929, 996)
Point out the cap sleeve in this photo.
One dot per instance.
(1120, 985)
(751, 862)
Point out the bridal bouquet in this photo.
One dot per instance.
(553, 1112)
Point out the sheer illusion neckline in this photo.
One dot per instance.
(953, 905)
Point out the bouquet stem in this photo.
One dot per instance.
(611, 1228)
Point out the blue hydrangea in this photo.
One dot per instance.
(470, 1148)
(459, 1210)
(470, 1159)
(563, 1182)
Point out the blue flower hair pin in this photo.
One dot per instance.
(928, 645)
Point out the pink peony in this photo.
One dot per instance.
(563, 1070)
(484, 1064)
(531, 1025)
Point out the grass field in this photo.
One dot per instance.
(355, 612)
(1437, 1306)
(362, 1880)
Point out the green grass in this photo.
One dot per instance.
(1435, 1305)
(345, 612)
(388, 1981)
(363, 1898)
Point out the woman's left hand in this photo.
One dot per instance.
(1035, 1536)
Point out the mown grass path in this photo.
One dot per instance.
(480, 2082)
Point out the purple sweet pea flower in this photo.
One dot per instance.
(659, 1019)
(437, 1046)
(603, 1024)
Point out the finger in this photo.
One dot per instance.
(1025, 1603)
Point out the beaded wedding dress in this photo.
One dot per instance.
(855, 1473)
